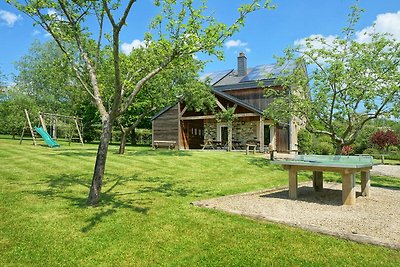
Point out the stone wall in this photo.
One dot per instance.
(242, 131)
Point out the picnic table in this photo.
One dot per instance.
(347, 166)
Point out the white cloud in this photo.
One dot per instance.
(318, 41)
(384, 23)
(127, 47)
(9, 18)
(235, 43)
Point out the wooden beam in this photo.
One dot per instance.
(203, 117)
(183, 111)
(220, 105)
(79, 132)
(30, 127)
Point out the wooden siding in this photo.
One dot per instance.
(166, 127)
(282, 139)
(254, 97)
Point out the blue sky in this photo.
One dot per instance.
(266, 33)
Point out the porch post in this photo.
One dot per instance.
(272, 136)
(261, 134)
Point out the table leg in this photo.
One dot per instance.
(318, 182)
(292, 182)
(348, 190)
(365, 183)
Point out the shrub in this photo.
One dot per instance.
(324, 148)
(371, 151)
(305, 141)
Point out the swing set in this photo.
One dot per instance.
(69, 125)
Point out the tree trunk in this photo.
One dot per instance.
(99, 167)
(229, 136)
(339, 147)
(124, 136)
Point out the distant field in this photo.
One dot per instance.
(145, 217)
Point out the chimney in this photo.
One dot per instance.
(242, 64)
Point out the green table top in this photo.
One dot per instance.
(336, 161)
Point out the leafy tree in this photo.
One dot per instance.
(348, 84)
(184, 24)
(12, 107)
(2, 84)
(385, 139)
(46, 77)
(177, 82)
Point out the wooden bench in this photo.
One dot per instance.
(250, 146)
(168, 144)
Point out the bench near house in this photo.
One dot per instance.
(240, 89)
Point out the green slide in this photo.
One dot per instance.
(46, 137)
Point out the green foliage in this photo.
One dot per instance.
(12, 107)
(45, 75)
(143, 136)
(348, 83)
(371, 151)
(227, 115)
(305, 141)
(324, 148)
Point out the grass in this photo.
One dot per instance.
(145, 217)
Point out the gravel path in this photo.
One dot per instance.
(373, 220)
(386, 170)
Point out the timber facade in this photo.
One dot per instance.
(242, 90)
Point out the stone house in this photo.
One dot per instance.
(241, 89)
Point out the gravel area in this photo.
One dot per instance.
(374, 220)
(387, 170)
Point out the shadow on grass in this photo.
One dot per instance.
(263, 163)
(168, 188)
(78, 153)
(132, 193)
(159, 152)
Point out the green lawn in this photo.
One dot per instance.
(145, 217)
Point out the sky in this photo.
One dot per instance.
(265, 34)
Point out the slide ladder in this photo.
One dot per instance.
(46, 137)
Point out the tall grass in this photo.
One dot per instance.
(145, 217)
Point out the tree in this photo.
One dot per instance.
(12, 106)
(385, 139)
(46, 76)
(2, 84)
(178, 82)
(184, 24)
(348, 84)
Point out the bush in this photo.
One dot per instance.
(143, 136)
(371, 151)
(393, 149)
(324, 148)
(304, 140)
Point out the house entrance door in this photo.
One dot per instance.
(267, 137)
(224, 134)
